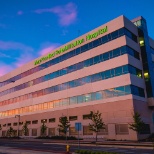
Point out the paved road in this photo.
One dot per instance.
(60, 147)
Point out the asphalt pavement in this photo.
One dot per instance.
(37, 146)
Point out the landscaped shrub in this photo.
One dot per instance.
(93, 152)
(57, 137)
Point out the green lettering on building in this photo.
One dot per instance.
(94, 35)
(71, 45)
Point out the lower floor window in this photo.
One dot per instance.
(72, 131)
(3, 133)
(34, 132)
(121, 129)
(51, 132)
(146, 129)
(103, 131)
(87, 131)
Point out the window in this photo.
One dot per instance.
(44, 121)
(20, 123)
(9, 124)
(52, 120)
(51, 132)
(34, 132)
(72, 131)
(20, 132)
(86, 116)
(87, 98)
(121, 129)
(86, 131)
(118, 71)
(80, 99)
(73, 100)
(3, 133)
(35, 122)
(98, 95)
(103, 131)
(146, 129)
(72, 118)
(28, 122)
(15, 124)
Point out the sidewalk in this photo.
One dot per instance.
(122, 143)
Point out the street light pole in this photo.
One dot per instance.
(18, 123)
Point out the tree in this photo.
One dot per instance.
(138, 124)
(97, 122)
(43, 129)
(64, 125)
(10, 132)
(25, 129)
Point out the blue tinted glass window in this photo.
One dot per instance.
(87, 98)
(109, 37)
(132, 70)
(87, 79)
(123, 50)
(127, 33)
(96, 60)
(95, 77)
(141, 92)
(84, 48)
(125, 69)
(121, 31)
(100, 41)
(104, 39)
(130, 51)
(106, 56)
(71, 68)
(80, 99)
(134, 90)
(73, 100)
(98, 95)
(110, 54)
(102, 75)
(77, 51)
(101, 58)
(72, 84)
(57, 60)
(79, 82)
(127, 90)
(108, 93)
(118, 71)
(80, 65)
(114, 34)
(116, 52)
(107, 74)
(93, 96)
(120, 90)
(56, 88)
(64, 86)
(87, 63)
(57, 73)
(91, 61)
(63, 71)
(90, 45)
(46, 77)
(112, 72)
(95, 43)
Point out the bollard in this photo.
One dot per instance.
(67, 149)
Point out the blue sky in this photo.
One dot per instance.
(31, 28)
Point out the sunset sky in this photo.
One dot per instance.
(31, 28)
